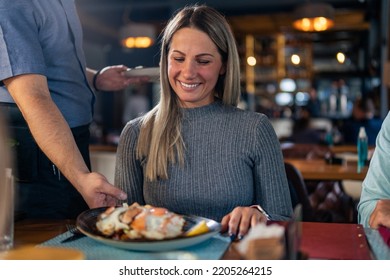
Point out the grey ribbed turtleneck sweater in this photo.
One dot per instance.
(233, 158)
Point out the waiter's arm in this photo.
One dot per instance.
(53, 135)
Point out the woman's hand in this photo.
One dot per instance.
(238, 222)
(381, 214)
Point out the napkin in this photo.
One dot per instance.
(263, 242)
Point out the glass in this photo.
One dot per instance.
(6, 188)
(7, 211)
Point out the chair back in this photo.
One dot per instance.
(324, 202)
(298, 192)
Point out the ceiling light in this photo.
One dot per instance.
(295, 59)
(251, 60)
(288, 85)
(137, 35)
(340, 57)
(284, 98)
(314, 17)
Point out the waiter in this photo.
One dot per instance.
(45, 91)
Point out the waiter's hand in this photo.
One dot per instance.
(98, 192)
(113, 78)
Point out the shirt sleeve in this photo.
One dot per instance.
(270, 180)
(20, 47)
(376, 185)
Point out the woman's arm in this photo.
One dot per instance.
(128, 170)
(270, 180)
(376, 185)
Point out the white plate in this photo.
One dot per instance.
(152, 72)
(86, 222)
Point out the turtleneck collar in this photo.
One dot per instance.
(203, 110)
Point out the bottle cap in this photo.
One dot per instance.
(362, 132)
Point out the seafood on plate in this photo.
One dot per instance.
(140, 222)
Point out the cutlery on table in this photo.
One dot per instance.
(76, 234)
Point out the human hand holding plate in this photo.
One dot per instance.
(153, 73)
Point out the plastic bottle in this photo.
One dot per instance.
(329, 137)
(362, 148)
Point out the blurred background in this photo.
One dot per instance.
(298, 78)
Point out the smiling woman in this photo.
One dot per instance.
(193, 70)
(196, 153)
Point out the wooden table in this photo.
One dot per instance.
(318, 169)
(348, 149)
(321, 149)
(319, 240)
(32, 232)
(103, 148)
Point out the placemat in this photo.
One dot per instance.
(211, 249)
(377, 244)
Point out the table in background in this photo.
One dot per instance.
(347, 149)
(319, 169)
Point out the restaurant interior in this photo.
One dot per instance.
(308, 101)
(335, 68)
(306, 81)
(347, 59)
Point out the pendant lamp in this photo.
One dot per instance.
(313, 17)
(137, 35)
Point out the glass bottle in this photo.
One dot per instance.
(362, 148)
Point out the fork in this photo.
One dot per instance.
(73, 229)
(76, 233)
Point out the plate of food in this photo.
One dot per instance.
(152, 72)
(145, 228)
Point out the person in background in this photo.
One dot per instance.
(363, 114)
(374, 204)
(46, 92)
(313, 105)
(303, 132)
(195, 152)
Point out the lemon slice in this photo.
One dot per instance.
(197, 229)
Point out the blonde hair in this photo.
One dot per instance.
(160, 141)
